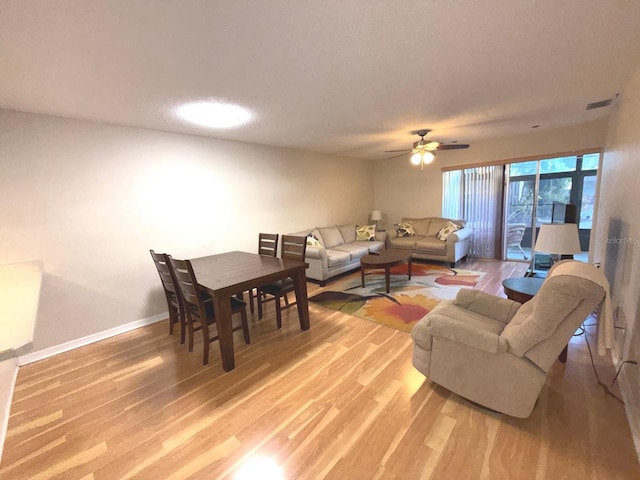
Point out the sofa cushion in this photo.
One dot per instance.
(365, 233)
(373, 247)
(436, 225)
(348, 232)
(431, 245)
(445, 231)
(404, 242)
(337, 258)
(420, 225)
(355, 250)
(405, 229)
(330, 236)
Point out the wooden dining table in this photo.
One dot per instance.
(227, 274)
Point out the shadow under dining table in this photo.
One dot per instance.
(231, 273)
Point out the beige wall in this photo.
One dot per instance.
(89, 200)
(401, 189)
(617, 243)
(19, 295)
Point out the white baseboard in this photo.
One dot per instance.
(95, 337)
(8, 375)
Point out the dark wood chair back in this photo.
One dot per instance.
(293, 247)
(186, 280)
(268, 244)
(165, 271)
(171, 292)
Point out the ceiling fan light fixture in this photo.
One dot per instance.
(427, 157)
(416, 158)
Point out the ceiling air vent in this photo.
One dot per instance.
(600, 104)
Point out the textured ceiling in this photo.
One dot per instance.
(344, 77)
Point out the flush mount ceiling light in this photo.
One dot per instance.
(213, 114)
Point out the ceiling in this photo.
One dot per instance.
(346, 77)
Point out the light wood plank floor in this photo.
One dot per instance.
(340, 401)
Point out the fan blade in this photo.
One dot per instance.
(453, 146)
(396, 151)
(396, 156)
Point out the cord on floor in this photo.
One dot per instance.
(606, 388)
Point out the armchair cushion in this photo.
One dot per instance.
(488, 305)
(558, 298)
(470, 334)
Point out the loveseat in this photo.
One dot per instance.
(424, 243)
(334, 249)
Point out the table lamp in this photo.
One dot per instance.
(375, 216)
(557, 239)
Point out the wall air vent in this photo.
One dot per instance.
(600, 104)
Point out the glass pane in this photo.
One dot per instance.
(590, 162)
(552, 190)
(588, 196)
(522, 168)
(519, 219)
(556, 165)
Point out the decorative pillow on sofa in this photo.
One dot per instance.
(406, 230)
(365, 233)
(445, 231)
(312, 241)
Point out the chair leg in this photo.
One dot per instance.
(523, 252)
(259, 300)
(245, 326)
(286, 299)
(278, 312)
(191, 332)
(183, 326)
(251, 300)
(205, 342)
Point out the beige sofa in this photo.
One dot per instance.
(339, 251)
(425, 244)
(497, 352)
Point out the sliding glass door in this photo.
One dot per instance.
(545, 191)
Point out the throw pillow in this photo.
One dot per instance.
(312, 241)
(406, 230)
(447, 230)
(365, 233)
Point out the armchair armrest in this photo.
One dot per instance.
(459, 235)
(488, 305)
(446, 327)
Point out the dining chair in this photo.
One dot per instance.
(198, 306)
(267, 247)
(294, 248)
(171, 292)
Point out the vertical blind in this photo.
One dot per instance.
(475, 195)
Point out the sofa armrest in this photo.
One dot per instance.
(441, 326)
(459, 235)
(317, 252)
(381, 236)
(488, 305)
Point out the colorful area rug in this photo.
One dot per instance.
(407, 301)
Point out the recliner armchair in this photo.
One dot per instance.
(497, 352)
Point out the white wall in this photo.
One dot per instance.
(19, 294)
(89, 200)
(617, 243)
(402, 190)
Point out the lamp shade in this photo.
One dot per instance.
(376, 215)
(558, 238)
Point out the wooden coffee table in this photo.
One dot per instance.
(385, 259)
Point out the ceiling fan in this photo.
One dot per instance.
(424, 151)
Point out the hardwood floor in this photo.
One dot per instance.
(339, 401)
